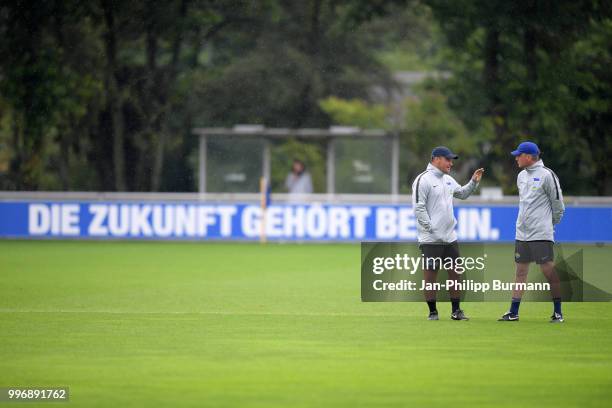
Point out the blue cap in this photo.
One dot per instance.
(444, 152)
(527, 148)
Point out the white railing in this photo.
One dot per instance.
(275, 198)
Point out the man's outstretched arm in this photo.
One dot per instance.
(464, 192)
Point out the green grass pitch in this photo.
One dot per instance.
(223, 325)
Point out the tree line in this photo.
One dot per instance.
(102, 95)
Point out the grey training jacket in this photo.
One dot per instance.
(540, 203)
(432, 200)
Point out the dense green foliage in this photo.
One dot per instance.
(102, 95)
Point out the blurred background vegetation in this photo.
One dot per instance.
(102, 95)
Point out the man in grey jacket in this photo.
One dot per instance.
(432, 199)
(540, 208)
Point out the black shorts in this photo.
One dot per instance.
(433, 253)
(533, 251)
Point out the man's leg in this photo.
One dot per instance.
(430, 274)
(522, 257)
(522, 270)
(548, 269)
(454, 292)
(431, 277)
(455, 297)
(452, 251)
(544, 254)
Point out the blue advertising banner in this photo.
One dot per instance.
(313, 222)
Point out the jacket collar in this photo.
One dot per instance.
(535, 165)
(436, 171)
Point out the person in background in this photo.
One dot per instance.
(298, 181)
